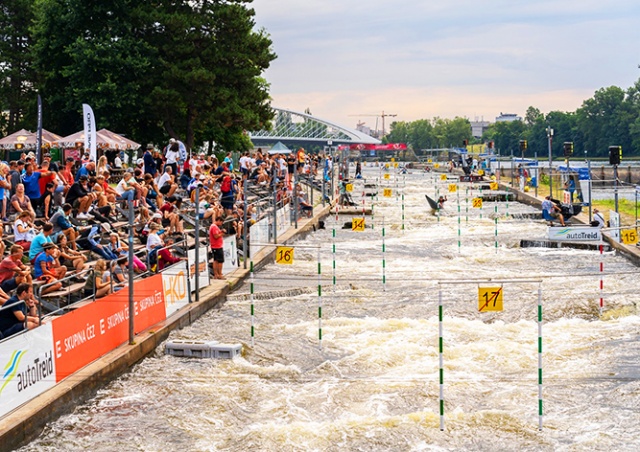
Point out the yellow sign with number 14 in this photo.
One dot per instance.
(357, 224)
(387, 192)
(284, 255)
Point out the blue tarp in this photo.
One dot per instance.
(583, 173)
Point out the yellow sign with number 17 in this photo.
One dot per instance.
(284, 255)
(489, 299)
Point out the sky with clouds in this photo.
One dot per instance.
(426, 58)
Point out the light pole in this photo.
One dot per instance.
(550, 138)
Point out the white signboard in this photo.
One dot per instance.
(230, 254)
(174, 284)
(27, 366)
(203, 257)
(575, 234)
(258, 233)
(614, 223)
(283, 216)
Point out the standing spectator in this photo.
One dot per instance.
(15, 172)
(48, 204)
(13, 320)
(173, 155)
(216, 239)
(149, 162)
(5, 187)
(30, 179)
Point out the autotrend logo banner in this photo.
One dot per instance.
(28, 367)
(575, 234)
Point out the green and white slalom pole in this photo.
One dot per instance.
(482, 203)
(252, 305)
(438, 197)
(466, 202)
(540, 407)
(319, 301)
(507, 201)
(441, 358)
(384, 263)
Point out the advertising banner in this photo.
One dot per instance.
(230, 254)
(575, 234)
(614, 222)
(175, 286)
(28, 367)
(203, 257)
(259, 234)
(89, 121)
(85, 334)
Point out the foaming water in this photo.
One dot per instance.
(373, 386)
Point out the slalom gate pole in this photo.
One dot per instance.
(441, 359)
(333, 245)
(507, 201)
(437, 197)
(466, 201)
(459, 225)
(319, 300)
(384, 264)
(252, 304)
(601, 279)
(482, 203)
(496, 228)
(403, 212)
(540, 407)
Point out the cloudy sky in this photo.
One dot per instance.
(426, 58)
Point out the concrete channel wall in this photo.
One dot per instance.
(26, 422)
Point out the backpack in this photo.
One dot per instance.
(225, 187)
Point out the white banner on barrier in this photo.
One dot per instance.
(27, 366)
(575, 234)
(230, 254)
(203, 257)
(258, 233)
(174, 284)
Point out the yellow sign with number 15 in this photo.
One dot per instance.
(284, 255)
(477, 203)
(629, 236)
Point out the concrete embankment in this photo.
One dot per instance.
(25, 423)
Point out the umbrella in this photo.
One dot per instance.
(105, 140)
(279, 148)
(28, 139)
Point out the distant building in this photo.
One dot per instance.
(361, 127)
(507, 117)
(478, 128)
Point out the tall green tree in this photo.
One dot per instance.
(16, 71)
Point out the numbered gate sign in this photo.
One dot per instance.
(349, 187)
(443, 177)
(387, 176)
(284, 255)
(429, 160)
(629, 236)
(480, 172)
(453, 188)
(395, 164)
(494, 186)
(387, 192)
(489, 299)
(357, 224)
(477, 203)
(436, 166)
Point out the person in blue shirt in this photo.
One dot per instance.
(88, 169)
(30, 180)
(45, 269)
(40, 240)
(149, 162)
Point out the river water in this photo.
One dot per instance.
(374, 384)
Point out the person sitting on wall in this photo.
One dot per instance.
(551, 212)
(598, 219)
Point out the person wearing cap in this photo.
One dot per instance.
(80, 198)
(149, 162)
(45, 268)
(598, 219)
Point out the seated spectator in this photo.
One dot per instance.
(95, 282)
(19, 312)
(12, 271)
(126, 188)
(24, 230)
(69, 257)
(61, 223)
(48, 204)
(166, 184)
(119, 270)
(89, 239)
(154, 243)
(20, 202)
(119, 248)
(47, 269)
(171, 217)
(151, 191)
(109, 191)
(80, 198)
(166, 257)
(304, 206)
(38, 242)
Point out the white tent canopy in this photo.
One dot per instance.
(279, 148)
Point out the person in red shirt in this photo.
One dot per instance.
(217, 243)
(12, 271)
(47, 176)
(67, 174)
(165, 255)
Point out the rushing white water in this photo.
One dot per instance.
(374, 384)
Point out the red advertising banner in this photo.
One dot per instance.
(91, 331)
(374, 147)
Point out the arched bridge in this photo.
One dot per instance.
(289, 125)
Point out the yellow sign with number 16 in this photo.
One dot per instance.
(284, 255)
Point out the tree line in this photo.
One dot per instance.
(150, 69)
(610, 118)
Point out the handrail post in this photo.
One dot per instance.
(245, 245)
(131, 276)
(197, 230)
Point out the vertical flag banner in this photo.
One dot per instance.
(39, 133)
(89, 121)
